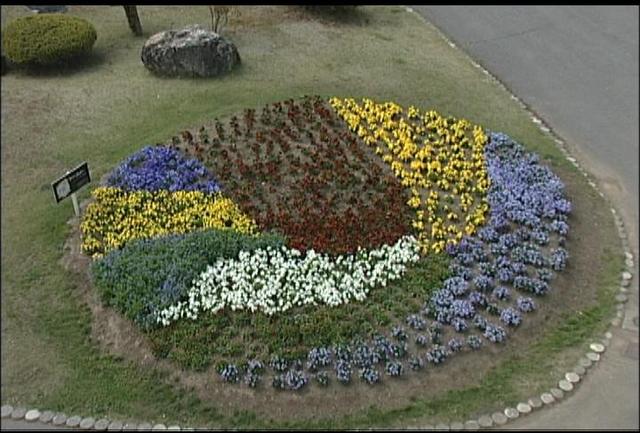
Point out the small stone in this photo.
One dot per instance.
(499, 418)
(625, 283)
(622, 298)
(572, 377)
(596, 347)
(174, 427)
(159, 427)
(585, 362)
(557, 393)
(580, 370)
(131, 426)
(615, 322)
(46, 416)
(442, 427)
(59, 419)
(620, 314)
(485, 421)
(101, 424)
(115, 426)
(5, 411)
(628, 255)
(565, 385)
(629, 263)
(471, 425)
(32, 415)
(144, 426)
(18, 413)
(535, 402)
(547, 398)
(511, 413)
(523, 408)
(457, 426)
(625, 291)
(74, 421)
(87, 423)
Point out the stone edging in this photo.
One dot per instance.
(564, 387)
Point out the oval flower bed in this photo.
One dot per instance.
(318, 239)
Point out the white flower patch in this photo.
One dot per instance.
(276, 280)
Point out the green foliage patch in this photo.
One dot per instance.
(151, 274)
(47, 39)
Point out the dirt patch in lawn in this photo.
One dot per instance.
(572, 290)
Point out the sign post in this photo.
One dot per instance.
(71, 182)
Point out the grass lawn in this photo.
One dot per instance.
(111, 106)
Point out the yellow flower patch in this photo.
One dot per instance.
(440, 160)
(117, 217)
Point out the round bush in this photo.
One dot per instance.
(46, 39)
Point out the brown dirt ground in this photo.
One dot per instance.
(573, 290)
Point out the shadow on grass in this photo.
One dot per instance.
(70, 66)
(337, 15)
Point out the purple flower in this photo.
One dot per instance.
(495, 334)
(559, 258)
(455, 345)
(460, 325)
(343, 371)
(483, 283)
(394, 368)
(230, 373)
(370, 375)
(318, 357)
(462, 308)
(456, 285)
(474, 342)
(437, 355)
(156, 167)
(525, 304)
(477, 299)
(416, 322)
(501, 293)
(510, 317)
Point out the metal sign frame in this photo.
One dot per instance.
(71, 182)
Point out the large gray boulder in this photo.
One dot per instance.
(192, 51)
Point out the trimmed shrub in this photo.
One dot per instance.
(47, 39)
(151, 274)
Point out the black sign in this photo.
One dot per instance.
(71, 182)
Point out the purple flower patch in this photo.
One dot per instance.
(160, 168)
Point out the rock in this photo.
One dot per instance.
(32, 415)
(6, 410)
(191, 51)
(48, 9)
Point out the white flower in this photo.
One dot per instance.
(276, 280)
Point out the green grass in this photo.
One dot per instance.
(111, 106)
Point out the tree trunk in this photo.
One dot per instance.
(134, 20)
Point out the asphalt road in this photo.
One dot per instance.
(577, 68)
